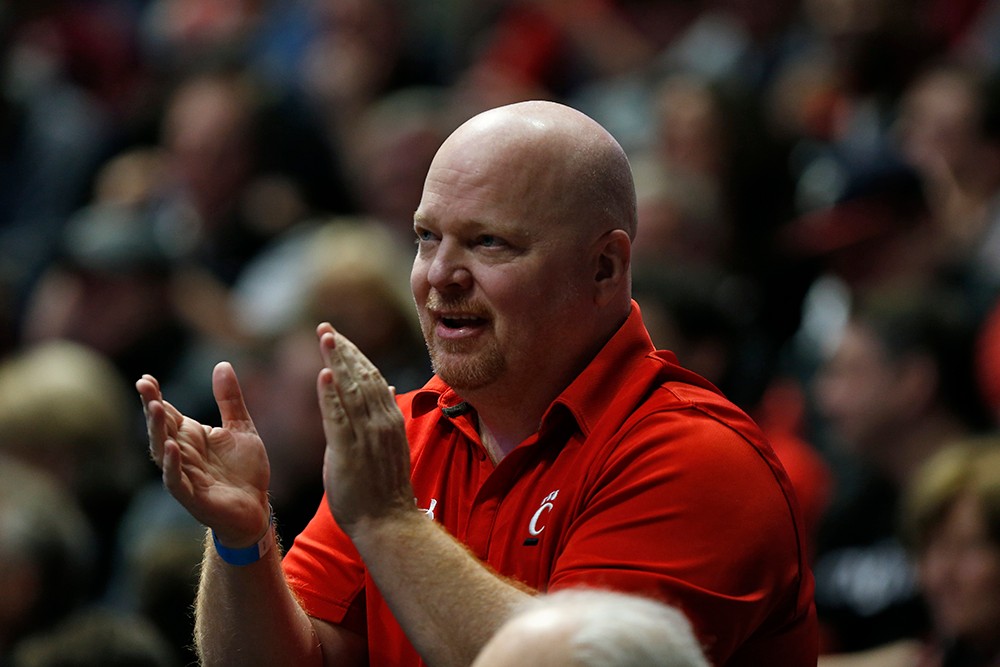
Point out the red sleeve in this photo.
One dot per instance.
(325, 571)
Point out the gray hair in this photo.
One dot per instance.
(612, 629)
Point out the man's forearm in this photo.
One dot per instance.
(447, 601)
(246, 615)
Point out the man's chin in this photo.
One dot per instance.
(467, 374)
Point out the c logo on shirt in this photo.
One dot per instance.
(545, 507)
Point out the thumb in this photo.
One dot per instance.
(229, 396)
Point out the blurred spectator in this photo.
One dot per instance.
(115, 264)
(359, 282)
(897, 386)
(210, 140)
(53, 130)
(353, 274)
(548, 48)
(389, 153)
(708, 320)
(717, 136)
(691, 131)
(951, 525)
(594, 628)
(681, 217)
(114, 285)
(358, 52)
(952, 521)
(65, 409)
(279, 383)
(877, 233)
(713, 141)
(940, 130)
(96, 638)
(47, 549)
(872, 51)
(949, 131)
(233, 173)
(705, 316)
(156, 561)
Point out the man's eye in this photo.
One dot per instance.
(423, 235)
(490, 241)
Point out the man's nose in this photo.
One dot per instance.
(448, 269)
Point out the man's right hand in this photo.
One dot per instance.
(220, 475)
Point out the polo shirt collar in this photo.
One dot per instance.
(601, 385)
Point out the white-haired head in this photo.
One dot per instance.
(594, 628)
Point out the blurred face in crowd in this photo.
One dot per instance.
(959, 571)
(937, 125)
(857, 391)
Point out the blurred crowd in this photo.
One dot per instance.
(185, 181)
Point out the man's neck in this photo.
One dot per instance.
(511, 409)
(507, 419)
(496, 447)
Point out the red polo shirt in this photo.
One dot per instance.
(641, 478)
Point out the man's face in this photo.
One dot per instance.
(497, 282)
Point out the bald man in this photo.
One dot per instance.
(552, 448)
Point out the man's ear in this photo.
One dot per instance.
(614, 256)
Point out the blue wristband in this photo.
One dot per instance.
(247, 555)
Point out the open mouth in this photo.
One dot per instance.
(462, 321)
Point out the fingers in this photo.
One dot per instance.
(171, 466)
(229, 398)
(359, 383)
(156, 419)
(336, 424)
(341, 400)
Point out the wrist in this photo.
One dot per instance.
(374, 530)
(250, 554)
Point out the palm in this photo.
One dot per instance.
(219, 474)
(223, 473)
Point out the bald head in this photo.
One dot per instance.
(554, 158)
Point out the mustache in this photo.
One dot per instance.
(461, 304)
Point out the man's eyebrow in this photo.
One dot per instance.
(476, 226)
(473, 225)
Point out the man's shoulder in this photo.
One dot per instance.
(674, 388)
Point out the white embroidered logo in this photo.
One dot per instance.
(545, 507)
(429, 511)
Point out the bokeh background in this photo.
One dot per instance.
(185, 181)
